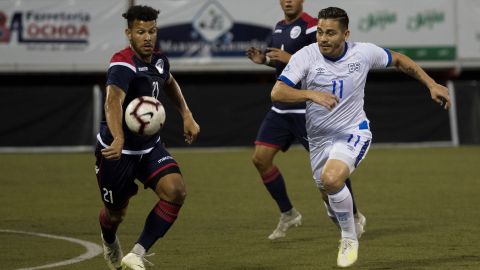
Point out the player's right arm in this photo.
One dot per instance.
(282, 92)
(114, 116)
(293, 73)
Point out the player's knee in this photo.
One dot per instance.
(331, 182)
(176, 194)
(180, 195)
(256, 160)
(261, 163)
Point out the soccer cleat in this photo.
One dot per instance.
(287, 220)
(112, 254)
(133, 261)
(347, 252)
(360, 223)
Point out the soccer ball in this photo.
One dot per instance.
(145, 115)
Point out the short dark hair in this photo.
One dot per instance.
(142, 13)
(334, 13)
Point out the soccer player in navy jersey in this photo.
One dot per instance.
(122, 157)
(334, 73)
(285, 122)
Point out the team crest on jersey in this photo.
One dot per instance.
(352, 67)
(159, 65)
(295, 32)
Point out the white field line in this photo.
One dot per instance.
(92, 249)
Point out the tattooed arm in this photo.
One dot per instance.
(439, 93)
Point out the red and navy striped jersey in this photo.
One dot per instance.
(136, 78)
(291, 38)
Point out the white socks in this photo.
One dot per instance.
(139, 250)
(342, 204)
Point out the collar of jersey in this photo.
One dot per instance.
(340, 57)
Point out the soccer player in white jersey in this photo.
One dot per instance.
(333, 73)
(285, 122)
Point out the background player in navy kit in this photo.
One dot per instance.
(286, 122)
(122, 156)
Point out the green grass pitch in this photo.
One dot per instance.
(422, 209)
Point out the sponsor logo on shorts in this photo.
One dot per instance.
(164, 159)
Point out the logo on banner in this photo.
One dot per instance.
(4, 31)
(211, 33)
(43, 27)
(425, 19)
(212, 21)
(377, 20)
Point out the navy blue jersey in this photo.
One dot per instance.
(136, 78)
(291, 38)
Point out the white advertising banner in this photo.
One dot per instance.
(81, 35)
(59, 35)
(213, 33)
(468, 30)
(424, 30)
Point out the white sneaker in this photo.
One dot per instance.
(112, 254)
(287, 220)
(133, 261)
(360, 223)
(347, 252)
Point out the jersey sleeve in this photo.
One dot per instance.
(311, 31)
(120, 72)
(296, 68)
(376, 56)
(167, 68)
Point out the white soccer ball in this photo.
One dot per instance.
(145, 115)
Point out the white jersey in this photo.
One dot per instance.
(344, 76)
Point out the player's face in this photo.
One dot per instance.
(331, 37)
(292, 8)
(143, 36)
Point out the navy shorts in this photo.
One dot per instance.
(116, 178)
(281, 130)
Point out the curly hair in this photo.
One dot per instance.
(142, 13)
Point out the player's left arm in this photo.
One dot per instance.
(190, 128)
(439, 93)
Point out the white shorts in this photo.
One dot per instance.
(350, 147)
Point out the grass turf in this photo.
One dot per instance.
(421, 207)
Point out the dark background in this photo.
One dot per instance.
(57, 110)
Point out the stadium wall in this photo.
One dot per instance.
(56, 111)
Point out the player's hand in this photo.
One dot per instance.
(327, 100)
(190, 129)
(278, 55)
(114, 151)
(256, 55)
(440, 95)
